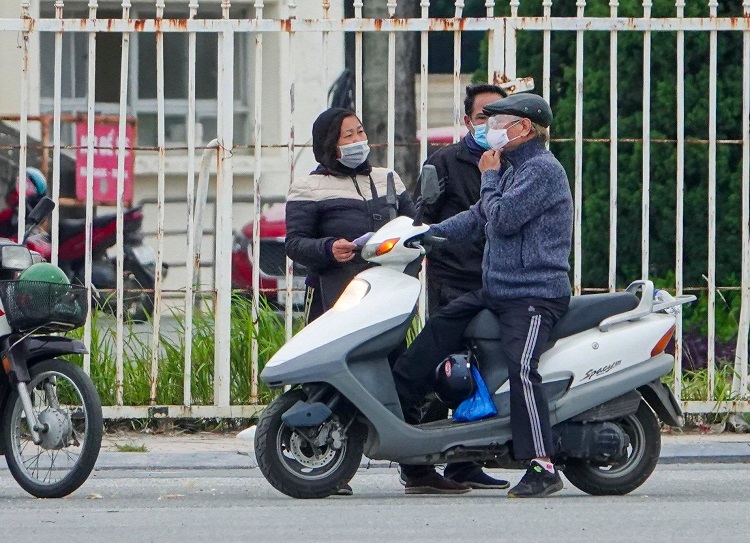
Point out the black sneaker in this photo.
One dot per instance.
(537, 482)
(434, 483)
(479, 479)
(344, 490)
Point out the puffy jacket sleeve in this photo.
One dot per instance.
(467, 225)
(302, 242)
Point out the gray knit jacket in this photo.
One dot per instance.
(527, 216)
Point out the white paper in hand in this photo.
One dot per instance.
(362, 240)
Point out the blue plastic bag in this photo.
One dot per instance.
(477, 406)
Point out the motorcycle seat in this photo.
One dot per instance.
(584, 312)
(72, 227)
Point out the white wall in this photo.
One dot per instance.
(311, 92)
(11, 66)
(314, 72)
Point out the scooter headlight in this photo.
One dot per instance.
(352, 295)
(15, 257)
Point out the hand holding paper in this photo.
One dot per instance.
(363, 239)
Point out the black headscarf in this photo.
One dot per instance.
(325, 133)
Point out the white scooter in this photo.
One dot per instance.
(601, 378)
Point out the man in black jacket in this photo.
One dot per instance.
(457, 269)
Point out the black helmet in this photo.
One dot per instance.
(453, 380)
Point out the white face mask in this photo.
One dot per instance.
(497, 138)
(354, 154)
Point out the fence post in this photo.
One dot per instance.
(289, 266)
(90, 113)
(224, 185)
(191, 269)
(578, 188)
(739, 383)
(680, 196)
(121, 150)
(160, 184)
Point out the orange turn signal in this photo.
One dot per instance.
(662, 344)
(6, 364)
(386, 246)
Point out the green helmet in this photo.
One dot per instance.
(46, 272)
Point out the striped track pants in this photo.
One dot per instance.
(526, 324)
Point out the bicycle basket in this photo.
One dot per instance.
(37, 304)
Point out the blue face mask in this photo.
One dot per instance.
(480, 136)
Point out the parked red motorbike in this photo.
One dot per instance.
(272, 260)
(139, 258)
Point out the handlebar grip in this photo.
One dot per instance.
(426, 239)
(434, 240)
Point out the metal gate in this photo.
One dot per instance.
(306, 32)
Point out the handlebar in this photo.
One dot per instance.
(426, 240)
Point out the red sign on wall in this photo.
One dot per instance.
(105, 162)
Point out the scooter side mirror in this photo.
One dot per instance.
(41, 211)
(430, 187)
(37, 215)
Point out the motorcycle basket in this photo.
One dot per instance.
(53, 307)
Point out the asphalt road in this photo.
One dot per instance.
(696, 502)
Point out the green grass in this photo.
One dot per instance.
(137, 354)
(131, 448)
(271, 336)
(695, 384)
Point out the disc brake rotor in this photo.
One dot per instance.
(305, 455)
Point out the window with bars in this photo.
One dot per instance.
(142, 87)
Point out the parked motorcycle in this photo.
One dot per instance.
(139, 258)
(272, 273)
(50, 412)
(601, 378)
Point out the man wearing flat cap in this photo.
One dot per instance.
(527, 216)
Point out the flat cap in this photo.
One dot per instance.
(530, 106)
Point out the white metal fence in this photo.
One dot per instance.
(291, 31)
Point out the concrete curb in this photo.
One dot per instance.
(711, 453)
(705, 453)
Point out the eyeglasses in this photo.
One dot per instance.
(497, 122)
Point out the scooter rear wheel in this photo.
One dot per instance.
(622, 478)
(292, 465)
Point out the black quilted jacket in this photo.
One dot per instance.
(323, 208)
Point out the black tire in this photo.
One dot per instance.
(643, 454)
(280, 466)
(138, 299)
(84, 422)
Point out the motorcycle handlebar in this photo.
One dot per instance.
(425, 240)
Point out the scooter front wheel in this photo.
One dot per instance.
(310, 465)
(66, 402)
(632, 471)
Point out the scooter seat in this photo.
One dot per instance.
(71, 227)
(588, 311)
(584, 312)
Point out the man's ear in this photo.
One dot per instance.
(528, 125)
(467, 122)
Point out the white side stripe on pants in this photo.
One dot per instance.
(528, 389)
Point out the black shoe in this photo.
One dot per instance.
(434, 483)
(479, 479)
(537, 482)
(344, 490)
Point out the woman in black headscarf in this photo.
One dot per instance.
(342, 199)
